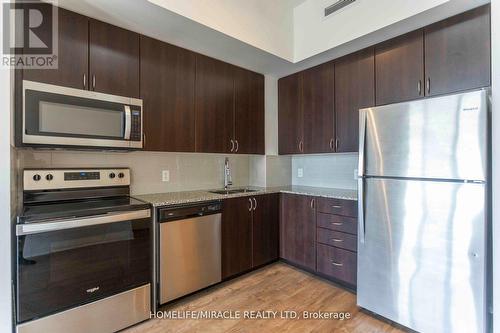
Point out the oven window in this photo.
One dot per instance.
(62, 269)
(75, 119)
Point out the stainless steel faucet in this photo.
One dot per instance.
(227, 174)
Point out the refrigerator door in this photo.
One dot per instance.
(422, 260)
(439, 138)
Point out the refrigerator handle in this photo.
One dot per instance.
(361, 173)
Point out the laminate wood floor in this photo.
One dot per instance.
(277, 287)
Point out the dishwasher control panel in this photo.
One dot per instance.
(182, 212)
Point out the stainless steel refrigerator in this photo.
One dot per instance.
(422, 249)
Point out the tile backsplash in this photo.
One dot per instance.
(334, 170)
(188, 171)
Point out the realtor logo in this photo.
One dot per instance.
(29, 34)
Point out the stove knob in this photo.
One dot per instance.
(121, 175)
(112, 175)
(37, 178)
(49, 177)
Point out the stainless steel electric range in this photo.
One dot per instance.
(84, 252)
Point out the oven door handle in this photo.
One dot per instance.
(128, 122)
(36, 228)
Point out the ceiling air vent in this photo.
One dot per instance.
(337, 6)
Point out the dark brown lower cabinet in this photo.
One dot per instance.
(298, 230)
(338, 263)
(249, 233)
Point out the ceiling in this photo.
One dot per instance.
(167, 25)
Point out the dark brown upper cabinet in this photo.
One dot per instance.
(298, 230)
(457, 53)
(167, 90)
(265, 229)
(114, 60)
(290, 120)
(73, 60)
(214, 105)
(399, 69)
(236, 236)
(318, 109)
(248, 133)
(354, 90)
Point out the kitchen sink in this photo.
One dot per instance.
(235, 191)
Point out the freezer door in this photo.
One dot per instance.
(422, 260)
(440, 138)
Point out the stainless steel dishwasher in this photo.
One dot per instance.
(190, 249)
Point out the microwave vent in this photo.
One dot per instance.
(337, 6)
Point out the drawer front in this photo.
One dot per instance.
(338, 206)
(337, 263)
(338, 223)
(337, 239)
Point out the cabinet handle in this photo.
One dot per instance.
(251, 205)
(313, 203)
(93, 82)
(337, 264)
(84, 81)
(332, 144)
(232, 145)
(337, 143)
(337, 223)
(336, 206)
(254, 204)
(419, 87)
(301, 146)
(428, 85)
(237, 145)
(337, 240)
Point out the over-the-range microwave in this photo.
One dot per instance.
(56, 117)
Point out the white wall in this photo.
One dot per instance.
(495, 38)
(328, 170)
(265, 24)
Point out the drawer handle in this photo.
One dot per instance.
(337, 223)
(337, 206)
(337, 264)
(337, 240)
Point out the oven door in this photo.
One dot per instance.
(60, 116)
(64, 264)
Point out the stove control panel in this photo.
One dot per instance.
(52, 179)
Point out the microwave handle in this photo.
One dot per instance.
(128, 122)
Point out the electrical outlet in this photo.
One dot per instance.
(300, 172)
(165, 175)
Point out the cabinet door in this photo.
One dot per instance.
(399, 69)
(114, 60)
(167, 90)
(354, 90)
(298, 230)
(457, 53)
(265, 229)
(290, 126)
(236, 236)
(73, 41)
(214, 105)
(318, 108)
(248, 112)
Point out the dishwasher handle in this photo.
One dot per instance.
(178, 213)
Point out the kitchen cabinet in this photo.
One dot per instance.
(236, 236)
(249, 233)
(167, 90)
(457, 53)
(290, 120)
(265, 229)
(214, 105)
(114, 60)
(354, 90)
(318, 109)
(399, 69)
(248, 133)
(298, 230)
(73, 54)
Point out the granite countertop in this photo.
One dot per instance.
(185, 197)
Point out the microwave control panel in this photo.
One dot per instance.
(136, 130)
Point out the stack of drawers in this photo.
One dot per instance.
(336, 238)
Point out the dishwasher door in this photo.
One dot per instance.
(190, 255)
